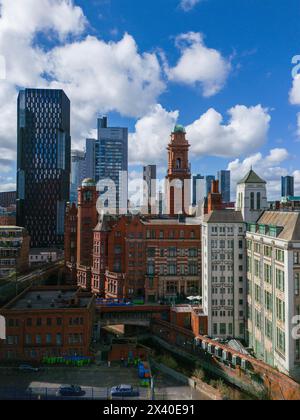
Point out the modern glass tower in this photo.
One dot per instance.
(78, 173)
(111, 160)
(224, 178)
(199, 189)
(209, 179)
(43, 167)
(287, 186)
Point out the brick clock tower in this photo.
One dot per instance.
(178, 180)
(86, 221)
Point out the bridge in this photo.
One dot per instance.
(136, 315)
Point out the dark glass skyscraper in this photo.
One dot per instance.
(224, 178)
(287, 186)
(43, 167)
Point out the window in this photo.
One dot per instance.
(258, 202)
(58, 339)
(280, 310)
(58, 321)
(279, 255)
(48, 339)
(223, 329)
(38, 339)
(257, 268)
(252, 205)
(297, 284)
(268, 301)
(280, 341)
(280, 283)
(267, 273)
(172, 269)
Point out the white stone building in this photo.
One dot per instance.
(224, 268)
(273, 253)
(251, 199)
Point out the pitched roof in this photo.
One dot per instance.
(288, 221)
(224, 216)
(252, 178)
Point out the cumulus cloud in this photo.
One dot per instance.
(152, 133)
(267, 167)
(245, 131)
(199, 65)
(105, 76)
(188, 5)
(97, 76)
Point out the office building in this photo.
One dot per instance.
(8, 199)
(209, 179)
(78, 173)
(111, 163)
(287, 186)
(225, 185)
(199, 189)
(14, 250)
(149, 178)
(43, 166)
(223, 268)
(273, 247)
(48, 322)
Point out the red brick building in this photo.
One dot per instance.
(79, 225)
(157, 259)
(48, 322)
(135, 256)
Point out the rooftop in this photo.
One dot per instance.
(187, 221)
(43, 299)
(288, 221)
(252, 178)
(224, 216)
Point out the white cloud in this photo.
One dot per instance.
(295, 91)
(97, 76)
(199, 65)
(188, 5)
(105, 76)
(246, 131)
(267, 167)
(148, 144)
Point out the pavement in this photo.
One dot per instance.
(96, 381)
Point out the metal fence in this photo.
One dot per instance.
(13, 393)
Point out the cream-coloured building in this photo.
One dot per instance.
(223, 268)
(273, 302)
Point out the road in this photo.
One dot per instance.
(95, 380)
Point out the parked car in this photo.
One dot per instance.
(28, 368)
(70, 391)
(123, 391)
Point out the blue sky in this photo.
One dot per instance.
(219, 55)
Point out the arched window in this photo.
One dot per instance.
(178, 163)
